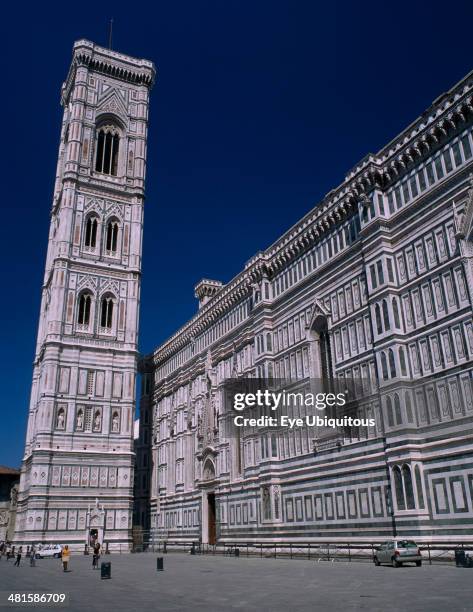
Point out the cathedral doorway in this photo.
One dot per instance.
(211, 519)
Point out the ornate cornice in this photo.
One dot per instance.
(110, 63)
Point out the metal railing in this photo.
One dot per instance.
(432, 553)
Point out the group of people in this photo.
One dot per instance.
(8, 551)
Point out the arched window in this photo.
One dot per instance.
(389, 410)
(402, 361)
(407, 399)
(386, 316)
(269, 343)
(91, 225)
(112, 236)
(384, 366)
(399, 489)
(407, 477)
(397, 321)
(106, 312)
(420, 490)
(108, 141)
(379, 325)
(397, 409)
(392, 363)
(325, 355)
(83, 315)
(379, 267)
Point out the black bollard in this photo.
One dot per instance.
(165, 548)
(106, 570)
(160, 564)
(193, 548)
(237, 552)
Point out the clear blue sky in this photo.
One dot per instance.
(260, 108)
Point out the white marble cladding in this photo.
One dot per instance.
(374, 283)
(79, 443)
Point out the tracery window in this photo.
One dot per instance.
(83, 315)
(106, 313)
(111, 237)
(108, 142)
(90, 241)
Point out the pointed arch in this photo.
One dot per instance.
(107, 311)
(84, 308)
(91, 231)
(112, 229)
(107, 148)
(409, 489)
(398, 488)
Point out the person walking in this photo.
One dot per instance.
(18, 557)
(33, 556)
(66, 555)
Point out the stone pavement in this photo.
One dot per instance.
(217, 583)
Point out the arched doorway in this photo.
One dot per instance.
(209, 509)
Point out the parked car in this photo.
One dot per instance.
(44, 551)
(397, 552)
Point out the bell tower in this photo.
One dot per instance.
(77, 471)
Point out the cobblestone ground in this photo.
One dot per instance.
(197, 583)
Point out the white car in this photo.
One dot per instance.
(49, 551)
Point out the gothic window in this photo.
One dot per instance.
(379, 267)
(389, 410)
(398, 488)
(420, 490)
(90, 241)
(392, 363)
(108, 141)
(402, 361)
(407, 478)
(386, 315)
(111, 239)
(83, 316)
(397, 409)
(407, 398)
(397, 322)
(106, 312)
(384, 366)
(325, 355)
(379, 325)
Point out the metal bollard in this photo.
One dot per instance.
(165, 548)
(160, 564)
(106, 570)
(237, 552)
(193, 548)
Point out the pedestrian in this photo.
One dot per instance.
(33, 556)
(95, 560)
(65, 556)
(18, 557)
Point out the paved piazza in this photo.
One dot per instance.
(223, 583)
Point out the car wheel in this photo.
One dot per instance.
(418, 563)
(56, 556)
(396, 563)
(376, 562)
